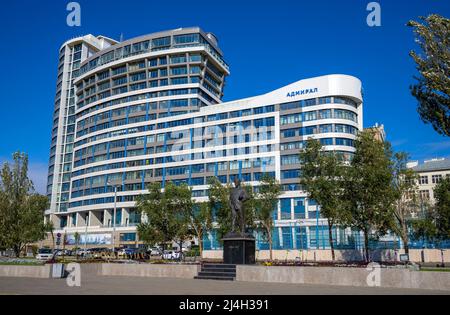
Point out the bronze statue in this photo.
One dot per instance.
(238, 196)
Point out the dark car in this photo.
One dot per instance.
(134, 253)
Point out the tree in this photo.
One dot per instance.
(322, 179)
(266, 202)
(424, 227)
(442, 208)
(149, 234)
(181, 202)
(432, 89)
(368, 192)
(218, 199)
(405, 190)
(50, 228)
(249, 208)
(21, 209)
(165, 212)
(76, 237)
(200, 218)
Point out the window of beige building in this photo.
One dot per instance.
(435, 179)
(423, 180)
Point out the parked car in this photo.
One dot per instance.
(63, 252)
(131, 253)
(45, 254)
(172, 255)
(81, 252)
(99, 252)
(122, 252)
(154, 251)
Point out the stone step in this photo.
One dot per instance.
(212, 271)
(226, 278)
(215, 273)
(219, 266)
(222, 270)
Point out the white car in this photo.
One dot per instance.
(45, 254)
(63, 252)
(155, 251)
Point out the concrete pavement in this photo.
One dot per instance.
(105, 285)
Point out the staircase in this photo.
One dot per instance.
(217, 272)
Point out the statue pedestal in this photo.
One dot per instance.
(238, 249)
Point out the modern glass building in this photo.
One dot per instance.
(71, 54)
(149, 110)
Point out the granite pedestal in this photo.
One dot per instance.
(239, 249)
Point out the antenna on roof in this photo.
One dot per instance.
(121, 37)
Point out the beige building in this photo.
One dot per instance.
(380, 133)
(430, 173)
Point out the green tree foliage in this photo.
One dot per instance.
(76, 236)
(406, 200)
(424, 227)
(432, 89)
(166, 212)
(182, 205)
(266, 202)
(322, 178)
(219, 204)
(21, 209)
(49, 227)
(149, 234)
(250, 208)
(368, 187)
(200, 220)
(442, 209)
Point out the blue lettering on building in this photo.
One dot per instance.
(302, 92)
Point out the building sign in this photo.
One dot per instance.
(91, 239)
(302, 92)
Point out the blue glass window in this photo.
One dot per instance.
(301, 240)
(289, 133)
(285, 205)
(326, 141)
(287, 237)
(299, 208)
(161, 42)
(128, 237)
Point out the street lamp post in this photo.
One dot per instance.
(114, 218)
(85, 235)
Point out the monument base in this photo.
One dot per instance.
(238, 249)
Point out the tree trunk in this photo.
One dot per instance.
(53, 241)
(270, 245)
(330, 235)
(405, 238)
(366, 245)
(200, 244)
(16, 249)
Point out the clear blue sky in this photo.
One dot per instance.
(267, 44)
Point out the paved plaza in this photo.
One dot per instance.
(94, 284)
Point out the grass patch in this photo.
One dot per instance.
(436, 269)
(15, 263)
